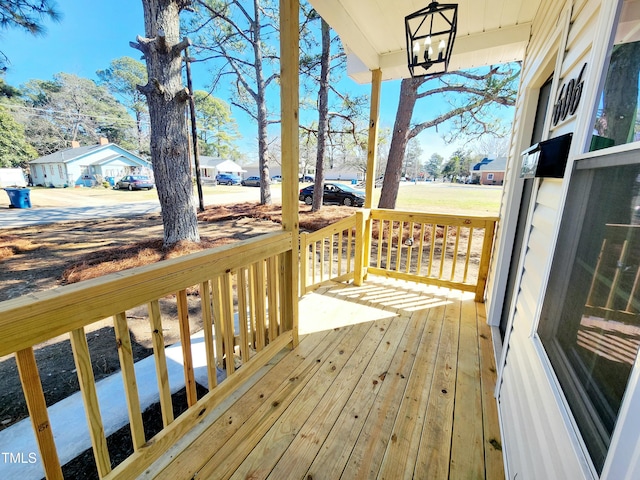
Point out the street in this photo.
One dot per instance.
(50, 205)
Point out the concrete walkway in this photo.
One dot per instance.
(101, 208)
(70, 429)
(23, 217)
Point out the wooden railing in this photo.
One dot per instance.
(445, 250)
(331, 253)
(614, 292)
(242, 284)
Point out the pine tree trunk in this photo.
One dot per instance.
(323, 117)
(167, 99)
(263, 156)
(399, 140)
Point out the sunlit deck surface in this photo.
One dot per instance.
(390, 380)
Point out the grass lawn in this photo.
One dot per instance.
(451, 198)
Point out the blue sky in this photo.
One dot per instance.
(92, 33)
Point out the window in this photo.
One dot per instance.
(489, 176)
(590, 324)
(616, 120)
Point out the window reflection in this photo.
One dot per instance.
(617, 116)
(594, 341)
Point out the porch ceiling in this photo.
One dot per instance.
(489, 32)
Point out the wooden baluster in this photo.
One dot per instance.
(272, 297)
(37, 407)
(400, 245)
(253, 336)
(219, 326)
(380, 242)
(313, 262)
(468, 257)
(455, 254)
(349, 240)
(162, 375)
(125, 353)
(207, 325)
(594, 279)
(443, 251)
(304, 262)
(82, 359)
(434, 233)
(389, 245)
(242, 314)
(185, 340)
(409, 248)
(340, 258)
(420, 250)
(259, 295)
(228, 320)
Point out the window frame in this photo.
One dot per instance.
(568, 238)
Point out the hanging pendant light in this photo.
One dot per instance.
(433, 27)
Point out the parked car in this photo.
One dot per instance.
(134, 182)
(276, 178)
(228, 179)
(251, 182)
(306, 179)
(336, 193)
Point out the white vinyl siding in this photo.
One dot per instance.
(538, 437)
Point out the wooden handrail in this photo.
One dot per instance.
(37, 317)
(251, 269)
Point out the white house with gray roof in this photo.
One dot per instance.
(86, 166)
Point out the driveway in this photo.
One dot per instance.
(51, 205)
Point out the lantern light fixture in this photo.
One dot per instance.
(436, 24)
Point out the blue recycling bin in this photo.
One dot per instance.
(19, 197)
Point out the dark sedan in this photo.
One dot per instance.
(335, 193)
(134, 182)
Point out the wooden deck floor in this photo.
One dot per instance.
(391, 380)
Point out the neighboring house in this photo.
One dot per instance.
(212, 166)
(564, 283)
(492, 172)
(253, 170)
(86, 166)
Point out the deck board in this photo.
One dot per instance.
(403, 390)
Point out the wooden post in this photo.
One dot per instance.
(32, 387)
(358, 274)
(483, 272)
(372, 153)
(289, 98)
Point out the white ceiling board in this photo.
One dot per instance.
(489, 32)
(470, 51)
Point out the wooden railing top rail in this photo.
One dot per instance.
(332, 229)
(34, 318)
(476, 221)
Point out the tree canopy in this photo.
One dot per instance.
(217, 129)
(122, 78)
(15, 151)
(67, 108)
